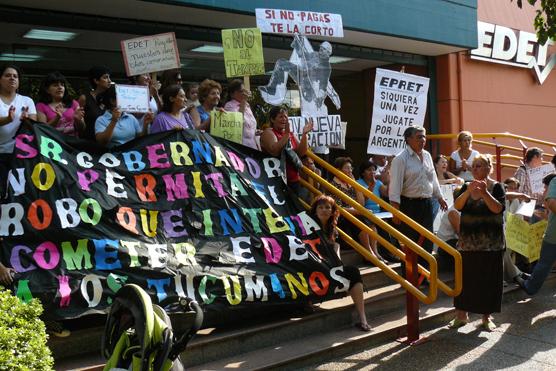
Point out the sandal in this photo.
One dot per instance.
(363, 326)
(488, 325)
(457, 323)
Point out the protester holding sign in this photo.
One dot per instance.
(278, 136)
(548, 247)
(325, 212)
(115, 127)
(481, 244)
(99, 78)
(155, 103)
(56, 108)
(238, 103)
(209, 96)
(461, 159)
(174, 115)
(533, 160)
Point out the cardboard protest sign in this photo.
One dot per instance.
(179, 213)
(400, 101)
(301, 22)
(524, 238)
(327, 130)
(243, 52)
(150, 54)
(227, 125)
(536, 175)
(132, 98)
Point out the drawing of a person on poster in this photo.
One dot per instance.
(311, 71)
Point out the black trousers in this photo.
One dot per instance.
(420, 210)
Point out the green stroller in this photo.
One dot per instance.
(138, 335)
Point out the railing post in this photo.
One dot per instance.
(498, 163)
(411, 303)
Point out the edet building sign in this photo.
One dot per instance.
(499, 44)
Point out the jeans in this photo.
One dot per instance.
(542, 269)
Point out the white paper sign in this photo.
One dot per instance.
(400, 101)
(536, 175)
(327, 130)
(526, 208)
(297, 21)
(150, 54)
(447, 191)
(132, 98)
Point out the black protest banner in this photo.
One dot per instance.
(178, 213)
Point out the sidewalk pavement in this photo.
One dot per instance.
(525, 339)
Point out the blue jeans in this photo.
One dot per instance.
(542, 269)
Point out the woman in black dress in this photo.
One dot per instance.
(481, 245)
(325, 212)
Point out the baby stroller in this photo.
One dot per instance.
(138, 334)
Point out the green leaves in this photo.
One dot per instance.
(22, 335)
(545, 20)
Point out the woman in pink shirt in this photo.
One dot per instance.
(238, 103)
(56, 108)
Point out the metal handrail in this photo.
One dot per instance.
(427, 299)
(500, 147)
(495, 135)
(433, 275)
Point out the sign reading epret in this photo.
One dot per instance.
(300, 22)
(150, 54)
(132, 98)
(400, 101)
(243, 52)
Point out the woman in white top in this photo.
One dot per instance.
(13, 108)
(461, 159)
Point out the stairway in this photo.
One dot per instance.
(288, 338)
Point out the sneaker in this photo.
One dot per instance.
(57, 329)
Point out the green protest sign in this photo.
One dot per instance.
(227, 125)
(524, 238)
(243, 52)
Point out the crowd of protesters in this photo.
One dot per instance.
(410, 181)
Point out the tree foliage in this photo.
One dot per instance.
(22, 335)
(545, 20)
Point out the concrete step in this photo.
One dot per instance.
(263, 329)
(216, 342)
(87, 337)
(335, 341)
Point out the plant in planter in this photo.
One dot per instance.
(22, 335)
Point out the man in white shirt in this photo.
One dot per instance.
(413, 184)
